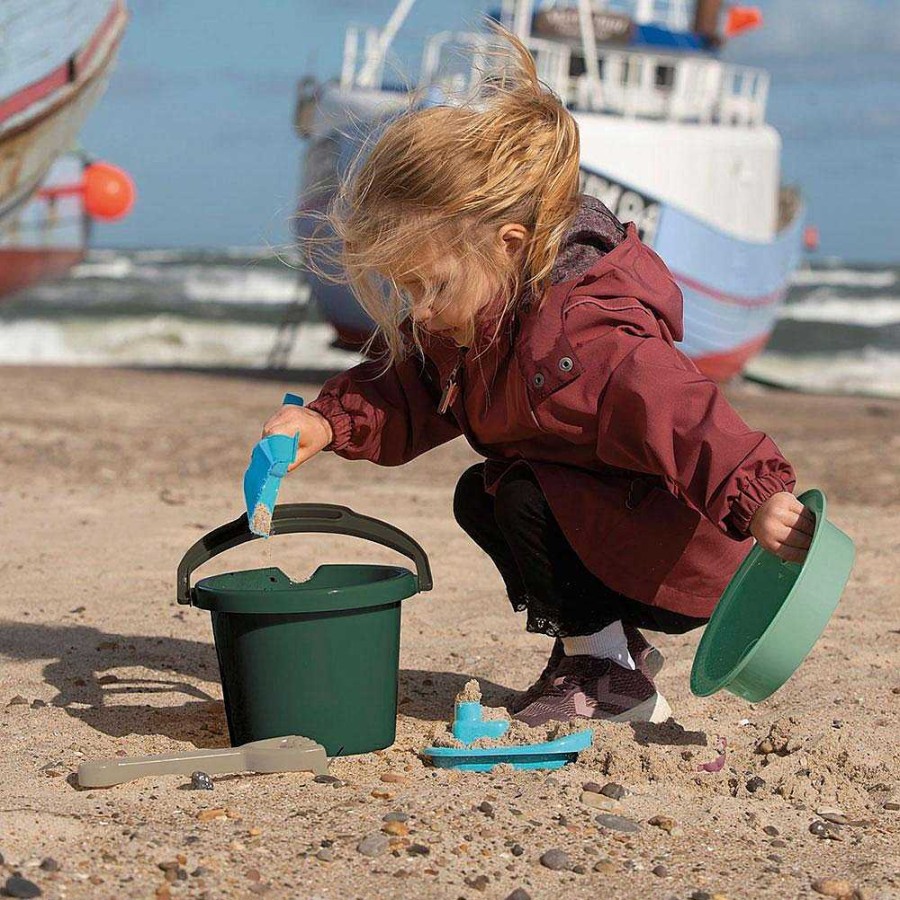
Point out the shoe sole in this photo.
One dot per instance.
(654, 709)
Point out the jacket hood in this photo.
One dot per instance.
(633, 270)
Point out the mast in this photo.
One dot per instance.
(376, 56)
(522, 20)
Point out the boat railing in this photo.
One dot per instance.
(682, 88)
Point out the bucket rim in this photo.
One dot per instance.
(370, 587)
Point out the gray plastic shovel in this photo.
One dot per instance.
(282, 754)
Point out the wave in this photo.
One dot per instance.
(869, 311)
(870, 372)
(844, 278)
(164, 340)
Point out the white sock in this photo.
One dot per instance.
(610, 643)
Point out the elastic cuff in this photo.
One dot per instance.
(752, 496)
(339, 420)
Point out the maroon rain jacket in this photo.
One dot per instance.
(650, 473)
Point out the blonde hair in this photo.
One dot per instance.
(442, 179)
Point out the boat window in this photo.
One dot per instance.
(577, 67)
(665, 76)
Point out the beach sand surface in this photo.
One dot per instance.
(110, 475)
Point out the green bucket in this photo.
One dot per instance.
(317, 658)
(772, 613)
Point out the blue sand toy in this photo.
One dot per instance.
(269, 463)
(468, 726)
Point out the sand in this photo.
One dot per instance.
(110, 476)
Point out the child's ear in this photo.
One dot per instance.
(512, 238)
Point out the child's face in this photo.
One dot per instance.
(448, 294)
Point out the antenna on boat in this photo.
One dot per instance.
(375, 57)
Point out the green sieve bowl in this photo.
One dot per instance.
(772, 613)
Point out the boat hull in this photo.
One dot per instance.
(42, 236)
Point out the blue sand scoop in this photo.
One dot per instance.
(468, 726)
(269, 463)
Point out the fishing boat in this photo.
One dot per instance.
(56, 59)
(673, 138)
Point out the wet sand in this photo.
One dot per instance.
(109, 476)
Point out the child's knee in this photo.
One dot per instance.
(470, 497)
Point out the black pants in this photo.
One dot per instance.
(542, 572)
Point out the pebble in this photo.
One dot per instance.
(825, 831)
(207, 815)
(617, 823)
(660, 871)
(21, 887)
(395, 829)
(395, 817)
(832, 814)
(771, 830)
(394, 778)
(606, 866)
(373, 845)
(517, 850)
(832, 887)
(611, 789)
(479, 882)
(326, 854)
(600, 801)
(200, 781)
(487, 808)
(557, 860)
(667, 823)
(49, 864)
(592, 787)
(755, 784)
(418, 850)
(38, 704)
(18, 700)
(778, 843)
(891, 804)
(325, 779)
(519, 894)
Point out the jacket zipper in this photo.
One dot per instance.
(451, 386)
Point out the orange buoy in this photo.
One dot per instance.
(108, 191)
(811, 238)
(742, 18)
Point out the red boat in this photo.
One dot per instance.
(57, 57)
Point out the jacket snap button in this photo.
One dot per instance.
(566, 364)
(538, 380)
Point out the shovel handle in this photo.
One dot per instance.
(294, 518)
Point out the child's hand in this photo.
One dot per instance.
(784, 526)
(315, 430)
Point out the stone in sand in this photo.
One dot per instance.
(617, 823)
(21, 887)
(49, 864)
(373, 845)
(755, 784)
(557, 860)
(832, 887)
(611, 789)
(599, 801)
(200, 781)
(519, 894)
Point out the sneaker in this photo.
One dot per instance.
(593, 688)
(646, 657)
(532, 693)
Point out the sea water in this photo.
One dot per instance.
(839, 329)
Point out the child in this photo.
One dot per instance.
(620, 489)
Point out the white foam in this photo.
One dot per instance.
(163, 340)
(869, 373)
(872, 311)
(229, 284)
(844, 278)
(119, 267)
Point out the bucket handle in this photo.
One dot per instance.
(294, 518)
